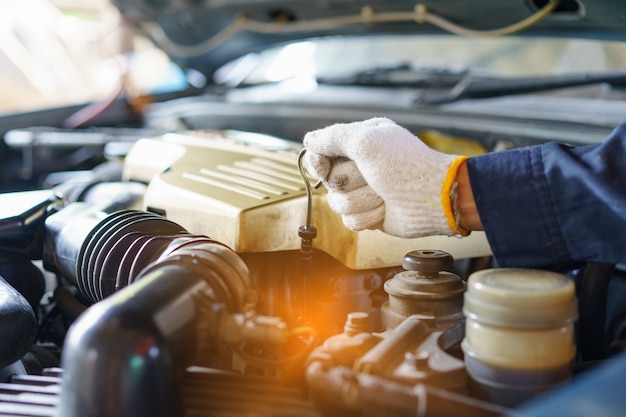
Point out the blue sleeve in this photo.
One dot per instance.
(554, 206)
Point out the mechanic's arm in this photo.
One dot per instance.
(466, 206)
(547, 206)
(381, 176)
(554, 206)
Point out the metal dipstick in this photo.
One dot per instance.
(307, 233)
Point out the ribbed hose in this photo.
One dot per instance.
(118, 248)
(102, 254)
(123, 357)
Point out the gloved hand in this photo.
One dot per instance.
(381, 176)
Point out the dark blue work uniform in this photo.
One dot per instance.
(554, 206)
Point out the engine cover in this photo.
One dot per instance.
(245, 190)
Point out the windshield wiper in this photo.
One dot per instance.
(470, 87)
(441, 85)
(401, 75)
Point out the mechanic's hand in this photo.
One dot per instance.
(381, 176)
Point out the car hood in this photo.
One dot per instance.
(204, 35)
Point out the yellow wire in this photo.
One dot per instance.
(419, 15)
(306, 330)
(447, 25)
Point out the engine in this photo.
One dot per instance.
(188, 288)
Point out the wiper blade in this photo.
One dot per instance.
(401, 75)
(440, 85)
(470, 87)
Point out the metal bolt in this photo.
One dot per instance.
(357, 322)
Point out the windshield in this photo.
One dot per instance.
(504, 56)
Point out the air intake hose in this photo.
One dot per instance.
(124, 355)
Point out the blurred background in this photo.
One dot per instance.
(61, 52)
(57, 52)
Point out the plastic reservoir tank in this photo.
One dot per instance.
(519, 336)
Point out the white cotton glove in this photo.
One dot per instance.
(381, 176)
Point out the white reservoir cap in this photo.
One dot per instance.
(520, 298)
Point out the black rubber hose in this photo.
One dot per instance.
(18, 328)
(24, 276)
(123, 356)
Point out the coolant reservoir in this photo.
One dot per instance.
(426, 289)
(519, 336)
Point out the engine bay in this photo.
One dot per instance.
(178, 281)
(163, 253)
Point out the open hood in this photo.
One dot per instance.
(204, 35)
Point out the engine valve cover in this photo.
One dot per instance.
(245, 190)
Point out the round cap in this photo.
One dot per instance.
(524, 298)
(428, 261)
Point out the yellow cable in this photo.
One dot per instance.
(419, 15)
(303, 330)
(447, 25)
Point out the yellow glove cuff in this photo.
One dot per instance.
(448, 197)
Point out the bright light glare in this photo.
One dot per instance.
(293, 61)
